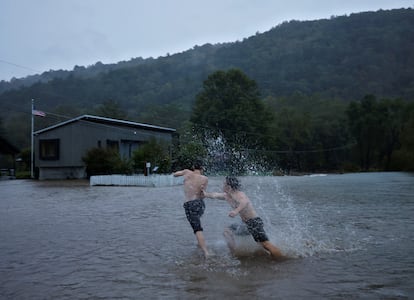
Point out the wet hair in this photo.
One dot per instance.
(233, 182)
(198, 164)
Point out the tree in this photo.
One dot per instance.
(187, 154)
(403, 159)
(392, 113)
(230, 105)
(2, 131)
(379, 129)
(111, 109)
(229, 109)
(292, 134)
(363, 125)
(154, 152)
(309, 133)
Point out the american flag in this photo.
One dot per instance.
(39, 113)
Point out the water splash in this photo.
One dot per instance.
(291, 225)
(225, 159)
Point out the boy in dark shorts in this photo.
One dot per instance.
(242, 206)
(194, 183)
(194, 209)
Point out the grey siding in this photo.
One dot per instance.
(76, 138)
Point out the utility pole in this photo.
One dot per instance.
(32, 143)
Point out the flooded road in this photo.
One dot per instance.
(349, 236)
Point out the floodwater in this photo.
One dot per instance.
(349, 237)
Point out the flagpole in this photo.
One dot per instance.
(31, 148)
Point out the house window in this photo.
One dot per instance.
(49, 149)
(127, 148)
(113, 145)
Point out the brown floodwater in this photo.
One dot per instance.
(348, 236)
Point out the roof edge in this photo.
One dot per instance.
(98, 119)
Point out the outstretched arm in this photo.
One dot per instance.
(221, 196)
(180, 173)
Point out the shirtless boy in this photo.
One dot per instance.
(242, 206)
(194, 183)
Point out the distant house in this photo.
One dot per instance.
(59, 149)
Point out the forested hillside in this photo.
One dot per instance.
(336, 60)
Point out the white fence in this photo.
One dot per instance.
(136, 180)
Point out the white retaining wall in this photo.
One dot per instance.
(136, 180)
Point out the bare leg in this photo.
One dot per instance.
(274, 251)
(201, 242)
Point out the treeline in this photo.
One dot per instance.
(234, 130)
(300, 133)
(307, 74)
(345, 57)
(368, 134)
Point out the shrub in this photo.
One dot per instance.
(155, 152)
(101, 161)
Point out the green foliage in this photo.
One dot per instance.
(26, 159)
(188, 154)
(229, 105)
(344, 57)
(168, 115)
(23, 174)
(379, 129)
(2, 130)
(18, 130)
(155, 152)
(307, 72)
(403, 158)
(101, 161)
(111, 109)
(309, 133)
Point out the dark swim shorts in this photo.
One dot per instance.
(194, 209)
(255, 227)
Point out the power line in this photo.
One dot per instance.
(306, 151)
(19, 66)
(131, 132)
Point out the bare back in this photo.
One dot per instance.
(194, 184)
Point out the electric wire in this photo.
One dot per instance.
(59, 117)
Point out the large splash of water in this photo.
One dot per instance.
(288, 223)
(225, 159)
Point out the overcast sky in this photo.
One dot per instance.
(43, 35)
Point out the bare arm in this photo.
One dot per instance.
(221, 196)
(180, 173)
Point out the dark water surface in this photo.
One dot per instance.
(350, 237)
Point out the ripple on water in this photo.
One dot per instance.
(69, 242)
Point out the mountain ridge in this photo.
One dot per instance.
(344, 57)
